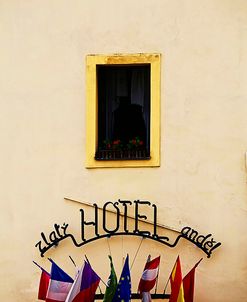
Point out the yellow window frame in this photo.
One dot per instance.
(92, 61)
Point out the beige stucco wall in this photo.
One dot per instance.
(202, 178)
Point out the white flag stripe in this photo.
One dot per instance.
(150, 274)
(146, 297)
(58, 290)
(75, 289)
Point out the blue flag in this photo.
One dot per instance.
(123, 292)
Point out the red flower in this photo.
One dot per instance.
(116, 142)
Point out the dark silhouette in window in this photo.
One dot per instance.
(128, 122)
(123, 111)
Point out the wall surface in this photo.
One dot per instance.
(202, 178)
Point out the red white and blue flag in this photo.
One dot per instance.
(60, 284)
(85, 285)
(148, 278)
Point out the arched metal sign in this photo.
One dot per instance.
(121, 208)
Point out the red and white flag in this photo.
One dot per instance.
(148, 278)
(43, 283)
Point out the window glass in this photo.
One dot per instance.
(123, 112)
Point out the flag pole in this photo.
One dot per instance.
(122, 214)
(195, 266)
(109, 248)
(40, 267)
(198, 262)
(72, 261)
(136, 253)
(170, 275)
(157, 279)
(166, 284)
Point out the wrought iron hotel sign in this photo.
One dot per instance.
(60, 232)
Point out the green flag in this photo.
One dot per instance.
(111, 284)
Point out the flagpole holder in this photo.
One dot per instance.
(137, 296)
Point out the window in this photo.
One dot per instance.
(123, 110)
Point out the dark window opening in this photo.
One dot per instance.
(123, 112)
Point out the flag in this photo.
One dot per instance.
(60, 284)
(43, 285)
(123, 292)
(111, 284)
(177, 292)
(85, 285)
(146, 297)
(148, 278)
(188, 283)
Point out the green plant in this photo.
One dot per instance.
(112, 145)
(135, 143)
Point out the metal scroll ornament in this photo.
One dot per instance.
(60, 232)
